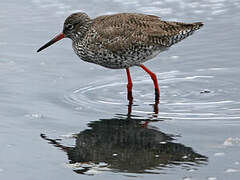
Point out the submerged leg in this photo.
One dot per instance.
(129, 85)
(154, 115)
(154, 78)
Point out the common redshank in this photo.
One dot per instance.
(120, 41)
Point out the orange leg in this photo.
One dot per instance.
(129, 85)
(155, 81)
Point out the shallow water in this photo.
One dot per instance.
(63, 118)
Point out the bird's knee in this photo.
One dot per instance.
(154, 77)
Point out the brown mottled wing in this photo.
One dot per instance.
(127, 30)
(172, 32)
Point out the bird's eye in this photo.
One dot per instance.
(69, 26)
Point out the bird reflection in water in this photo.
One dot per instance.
(127, 144)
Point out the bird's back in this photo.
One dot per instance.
(128, 29)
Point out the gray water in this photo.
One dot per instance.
(62, 118)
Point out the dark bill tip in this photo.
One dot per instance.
(55, 39)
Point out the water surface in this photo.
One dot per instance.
(63, 118)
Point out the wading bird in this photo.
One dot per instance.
(120, 41)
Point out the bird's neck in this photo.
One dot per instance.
(81, 31)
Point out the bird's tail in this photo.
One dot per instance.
(185, 30)
(197, 25)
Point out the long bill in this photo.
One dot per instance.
(55, 39)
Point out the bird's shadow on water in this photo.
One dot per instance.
(127, 144)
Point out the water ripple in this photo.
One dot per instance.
(178, 100)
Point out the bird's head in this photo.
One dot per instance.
(75, 27)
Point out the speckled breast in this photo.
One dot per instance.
(115, 60)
